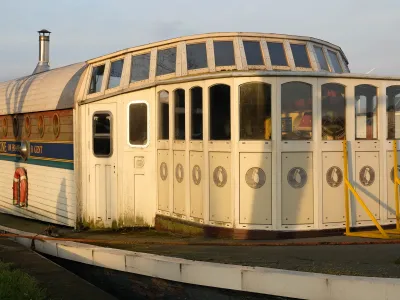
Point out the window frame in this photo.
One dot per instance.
(262, 50)
(377, 96)
(324, 53)
(278, 41)
(177, 58)
(230, 67)
(159, 115)
(190, 106)
(294, 42)
(184, 56)
(209, 124)
(111, 133)
(133, 102)
(129, 60)
(103, 84)
(107, 89)
(386, 114)
(338, 57)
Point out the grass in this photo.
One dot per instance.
(16, 285)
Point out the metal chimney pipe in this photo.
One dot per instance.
(44, 51)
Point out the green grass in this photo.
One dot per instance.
(16, 285)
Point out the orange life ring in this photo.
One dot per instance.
(20, 187)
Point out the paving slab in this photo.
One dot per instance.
(59, 283)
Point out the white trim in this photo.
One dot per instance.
(148, 123)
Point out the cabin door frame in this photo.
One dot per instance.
(102, 168)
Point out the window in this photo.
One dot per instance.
(296, 111)
(15, 126)
(102, 134)
(97, 79)
(196, 98)
(393, 111)
(179, 97)
(196, 56)
(333, 112)
(56, 125)
(253, 53)
(166, 61)
(277, 54)
(224, 53)
(163, 99)
(140, 67)
(321, 58)
(366, 112)
(300, 56)
(115, 73)
(220, 112)
(335, 62)
(138, 127)
(255, 111)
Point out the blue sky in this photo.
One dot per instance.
(366, 30)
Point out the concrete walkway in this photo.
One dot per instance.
(59, 283)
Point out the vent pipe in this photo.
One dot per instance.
(44, 51)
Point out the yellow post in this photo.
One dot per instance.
(396, 184)
(346, 189)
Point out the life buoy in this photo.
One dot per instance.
(20, 187)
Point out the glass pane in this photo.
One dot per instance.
(115, 73)
(277, 54)
(296, 111)
(224, 54)
(337, 68)
(101, 124)
(300, 56)
(393, 111)
(166, 61)
(140, 67)
(366, 112)
(196, 97)
(255, 111)
(321, 58)
(333, 112)
(220, 112)
(97, 79)
(163, 98)
(102, 146)
(179, 114)
(138, 124)
(253, 53)
(196, 56)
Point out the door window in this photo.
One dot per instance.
(102, 134)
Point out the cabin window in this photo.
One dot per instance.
(224, 53)
(138, 124)
(393, 112)
(140, 67)
(196, 56)
(321, 58)
(41, 126)
(102, 134)
(300, 56)
(163, 100)
(196, 98)
(253, 53)
(220, 112)
(366, 112)
(56, 125)
(277, 54)
(335, 62)
(333, 112)
(115, 73)
(28, 126)
(15, 126)
(296, 111)
(255, 111)
(5, 126)
(97, 79)
(166, 61)
(179, 97)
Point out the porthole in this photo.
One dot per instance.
(5, 126)
(27, 125)
(56, 125)
(15, 126)
(41, 126)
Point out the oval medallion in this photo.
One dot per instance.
(196, 175)
(163, 171)
(367, 176)
(220, 176)
(179, 173)
(334, 176)
(255, 178)
(297, 177)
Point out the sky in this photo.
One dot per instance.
(367, 31)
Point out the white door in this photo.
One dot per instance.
(102, 179)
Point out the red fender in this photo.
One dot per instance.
(20, 187)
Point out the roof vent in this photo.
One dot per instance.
(44, 41)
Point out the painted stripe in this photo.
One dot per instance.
(38, 162)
